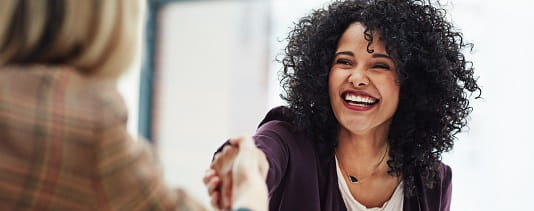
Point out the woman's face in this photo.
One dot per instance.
(363, 87)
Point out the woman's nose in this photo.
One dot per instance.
(358, 77)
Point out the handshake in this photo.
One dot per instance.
(236, 178)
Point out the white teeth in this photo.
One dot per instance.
(359, 99)
(358, 104)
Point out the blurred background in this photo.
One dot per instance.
(208, 72)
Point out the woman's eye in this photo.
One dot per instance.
(382, 66)
(343, 61)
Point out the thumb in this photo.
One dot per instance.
(245, 141)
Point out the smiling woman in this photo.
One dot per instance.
(376, 92)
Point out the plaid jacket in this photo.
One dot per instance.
(64, 146)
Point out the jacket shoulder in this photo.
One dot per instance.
(278, 123)
(445, 173)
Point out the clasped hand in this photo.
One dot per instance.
(236, 178)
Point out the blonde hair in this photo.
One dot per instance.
(94, 36)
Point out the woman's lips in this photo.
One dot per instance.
(358, 107)
(358, 100)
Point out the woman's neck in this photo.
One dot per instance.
(361, 149)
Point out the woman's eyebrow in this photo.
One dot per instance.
(349, 53)
(379, 55)
(374, 55)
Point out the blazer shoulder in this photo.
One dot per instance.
(277, 120)
(445, 173)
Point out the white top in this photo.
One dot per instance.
(395, 203)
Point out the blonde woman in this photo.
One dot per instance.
(63, 139)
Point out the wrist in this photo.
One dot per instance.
(251, 194)
(242, 209)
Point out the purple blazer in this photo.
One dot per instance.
(302, 173)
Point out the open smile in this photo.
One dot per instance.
(359, 101)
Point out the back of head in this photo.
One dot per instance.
(96, 37)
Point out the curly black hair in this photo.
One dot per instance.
(436, 81)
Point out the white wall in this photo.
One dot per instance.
(210, 82)
(283, 14)
(492, 163)
(129, 88)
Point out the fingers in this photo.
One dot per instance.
(215, 200)
(229, 154)
(213, 183)
(219, 180)
(223, 158)
(208, 175)
(226, 193)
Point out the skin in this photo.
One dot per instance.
(363, 134)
